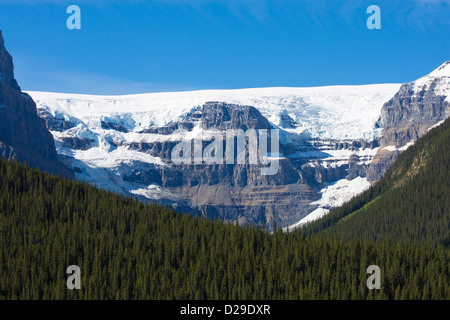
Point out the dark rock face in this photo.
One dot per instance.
(408, 116)
(239, 191)
(55, 123)
(23, 135)
(405, 118)
(113, 126)
(220, 115)
(170, 127)
(77, 143)
(381, 163)
(286, 121)
(223, 190)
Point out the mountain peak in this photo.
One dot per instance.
(442, 71)
(438, 81)
(6, 65)
(23, 135)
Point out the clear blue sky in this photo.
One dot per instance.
(171, 45)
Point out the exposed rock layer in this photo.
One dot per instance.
(23, 134)
(408, 115)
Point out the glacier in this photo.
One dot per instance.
(337, 138)
(325, 112)
(108, 125)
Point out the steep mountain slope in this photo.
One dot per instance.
(411, 203)
(329, 143)
(23, 134)
(332, 112)
(415, 108)
(124, 143)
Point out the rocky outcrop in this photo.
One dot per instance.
(23, 134)
(221, 116)
(132, 152)
(143, 163)
(239, 191)
(77, 143)
(286, 121)
(217, 116)
(113, 126)
(407, 116)
(415, 108)
(54, 123)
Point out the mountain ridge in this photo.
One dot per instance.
(416, 107)
(23, 134)
(409, 204)
(98, 135)
(334, 141)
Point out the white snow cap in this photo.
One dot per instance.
(439, 79)
(442, 71)
(339, 112)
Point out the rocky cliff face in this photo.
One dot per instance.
(23, 134)
(414, 109)
(328, 140)
(229, 191)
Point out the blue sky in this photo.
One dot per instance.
(127, 47)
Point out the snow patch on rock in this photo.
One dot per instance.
(334, 195)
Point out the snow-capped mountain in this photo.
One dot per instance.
(23, 135)
(332, 112)
(412, 111)
(329, 138)
(438, 81)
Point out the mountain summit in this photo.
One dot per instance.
(414, 109)
(6, 66)
(334, 141)
(23, 135)
(124, 143)
(438, 81)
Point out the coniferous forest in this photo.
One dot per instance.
(253, 112)
(410, 204)
(127, 249)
